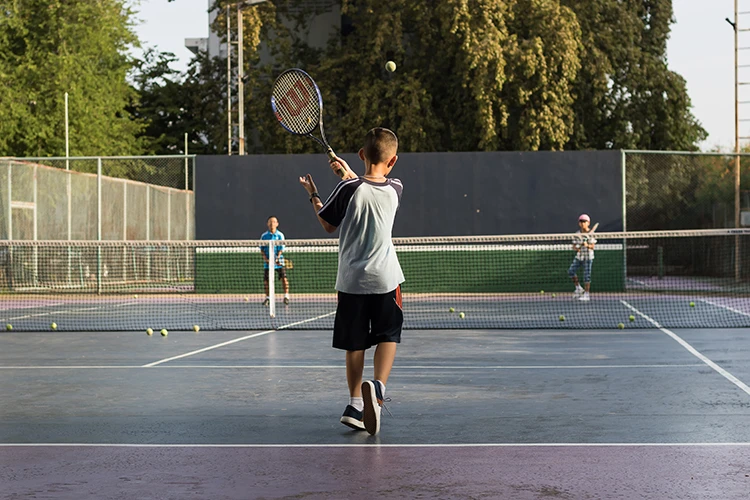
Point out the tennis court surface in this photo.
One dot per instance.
(508, 401)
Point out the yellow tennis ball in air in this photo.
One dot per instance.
(632, 318)
(196, 328)
(692, 304)
(390, 66)
(53, 326)
(620, 326)
(461, 315)
(9, 327)
(451, 310)
(164, 332)
(149, 331)
(541, 291)
(562, 318)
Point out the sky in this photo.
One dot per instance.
(700, 48)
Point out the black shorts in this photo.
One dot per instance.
(363, 321)
(280, 272)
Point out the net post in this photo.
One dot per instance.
(271, 279)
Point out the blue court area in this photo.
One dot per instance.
(477, 413)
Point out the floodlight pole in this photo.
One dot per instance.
(240, 82)
(736, 140)
(229, 82)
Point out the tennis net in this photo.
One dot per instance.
(698, 279)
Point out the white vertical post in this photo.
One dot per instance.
(10, 202)
(148, 231)
(124, 229)
(34, 222)
(68, 189)
(271, 278)
(67, 134)
(187, 190)
(169, 232)
(99, 224)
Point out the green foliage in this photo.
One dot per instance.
(49, 47)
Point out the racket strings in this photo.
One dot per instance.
(296, 103)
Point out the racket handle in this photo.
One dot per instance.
(331, 158)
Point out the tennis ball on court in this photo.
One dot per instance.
(461, 315)
(390, 66)
(135, 296)
(9, 327)
(554, 295)
(196, 328)
(247, 299)
(692, 304)
(164, 332)
(562, 318)
(149, 331)
(53, 326)
(620, 326)
(451, 310)
(632, 318)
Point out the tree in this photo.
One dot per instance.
(49, 47)
(626, 97)
(172, 104)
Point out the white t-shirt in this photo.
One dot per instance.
(365, 211)
(584, 253)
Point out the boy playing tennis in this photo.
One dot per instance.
(274, 234)
(369, 274)
(584, 247)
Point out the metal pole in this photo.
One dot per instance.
(229, 82)
(736, 144)
(99, 224)
(240, 83)
(187, 204)
(67, 135)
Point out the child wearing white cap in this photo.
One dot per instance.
(584, 247)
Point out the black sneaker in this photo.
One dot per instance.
(352, 417)
(286, 301)
(373, 398)
(266, 302)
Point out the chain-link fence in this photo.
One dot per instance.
(97, 198)
(673, 190)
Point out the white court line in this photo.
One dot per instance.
(375, 445)
(216, 346)
(732, 309)
(692, 350)
(69, 311)
(338, 367)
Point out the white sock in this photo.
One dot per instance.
(382, 387)
(357, 403)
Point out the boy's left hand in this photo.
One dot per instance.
(308, 183)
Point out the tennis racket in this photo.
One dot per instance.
(298, 105)
(583, 238)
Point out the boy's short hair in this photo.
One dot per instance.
(272, 217)
(381, 145)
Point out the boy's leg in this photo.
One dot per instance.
(385, 354)
(572, 270)
(355, 365)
